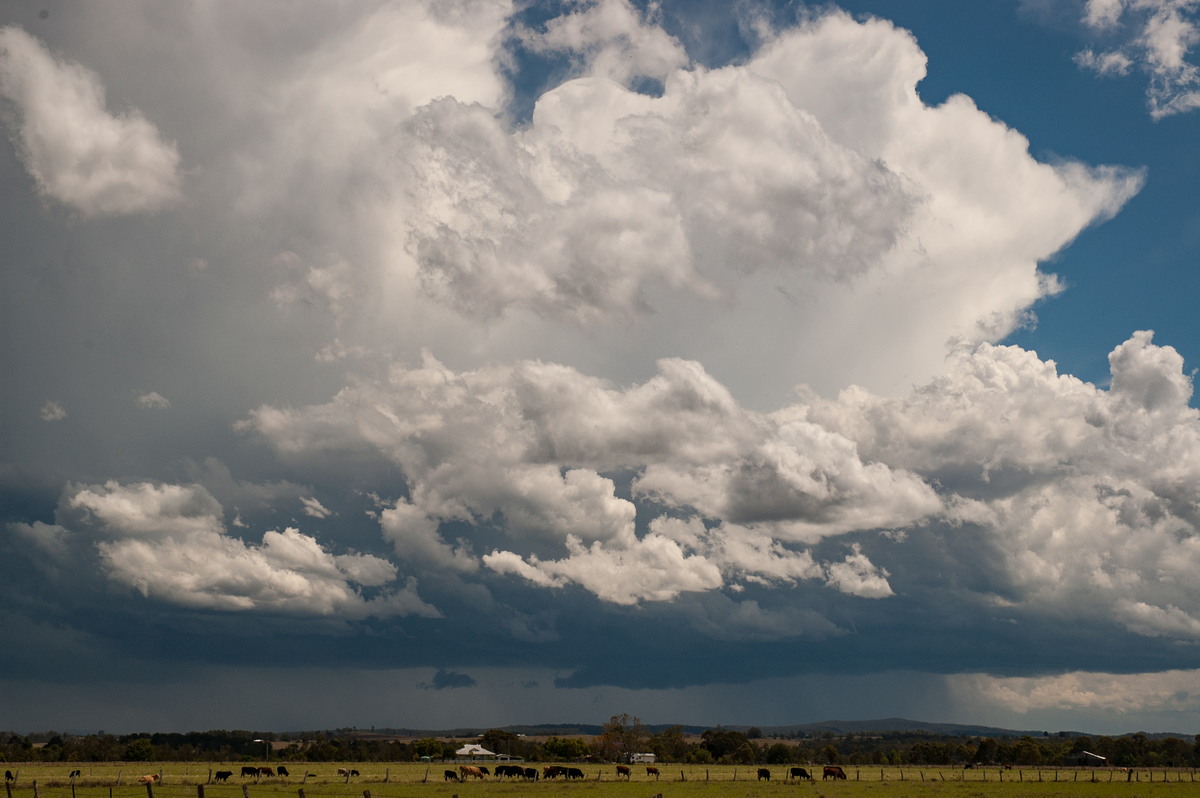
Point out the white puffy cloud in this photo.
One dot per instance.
(526, 445)
(76, 150)
(52, 411)
(1155, 35)
(313, 507)
(1170, 690)
(1088, 495)
(611, 38)
(807, 194)
(152, 400)
(169, 543)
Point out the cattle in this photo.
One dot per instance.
(222, 775)
(553, 771)
(511, 771)
(74, 773)
(149, 778)
(623, 770)
(8, 776)
(343, 772)
(249, 771)
(282, 771)
(833, 772)
(265, 771)
(652, 772)
(530, 774)
(574, 773)
(484, 771)
(470, 771)
(800, 773)
(353, 772)
(450, 775)
(763, 773)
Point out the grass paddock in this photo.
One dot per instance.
(413, 780)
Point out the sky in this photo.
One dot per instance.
(480, 362)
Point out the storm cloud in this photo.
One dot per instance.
(691, 381)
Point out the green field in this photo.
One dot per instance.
(409, 780)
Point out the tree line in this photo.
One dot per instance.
(620, 737)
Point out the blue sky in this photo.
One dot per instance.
(475, 363)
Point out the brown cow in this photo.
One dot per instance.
(149, 778)
(623, 770)
(652, 772)
(470, 771)
(833, 772)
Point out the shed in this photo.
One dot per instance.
(1086, 759)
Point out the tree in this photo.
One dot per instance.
(727, 745)
(565, 749)
(778, 754)
(498, 741)
(427, 747)
(621, 736)
(669, 745)
(139, 750)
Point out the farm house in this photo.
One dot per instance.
(474, 751)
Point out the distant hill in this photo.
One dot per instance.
(834, 727)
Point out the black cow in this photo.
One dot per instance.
(530, 774)
(450, 775)
(574, 773)
(281, 771)
(833, 772)
(222, 775)
(763, 773)
(553, 771)
(8, 776)
(74, 773)
(800, 773)
(249, 770)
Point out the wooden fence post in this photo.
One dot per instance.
(301, 791)
(199, 791)
(245, 791)
(150, 789)
(36, 794)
